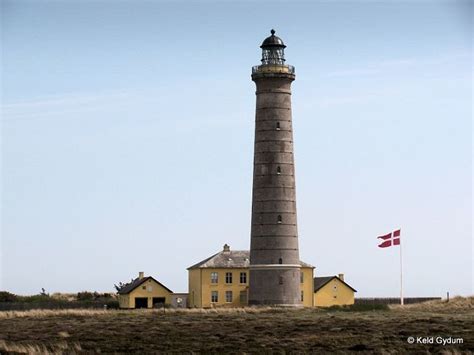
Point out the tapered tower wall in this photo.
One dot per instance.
(274, 256)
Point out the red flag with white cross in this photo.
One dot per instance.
(390, 239)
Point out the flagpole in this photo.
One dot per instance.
(401, 275)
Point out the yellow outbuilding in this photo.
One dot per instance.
(332, 291)
(222, 280)
(144, 292)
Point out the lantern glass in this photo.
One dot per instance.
(273, 56)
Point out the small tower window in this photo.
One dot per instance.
(278, 170)
(281, 280)
(279, 219)
(278, 126)
(280, 261)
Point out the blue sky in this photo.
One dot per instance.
(127, 139)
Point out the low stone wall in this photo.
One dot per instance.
(394, 300)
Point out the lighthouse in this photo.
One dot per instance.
(274, 255)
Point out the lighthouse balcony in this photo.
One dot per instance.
(273, 68)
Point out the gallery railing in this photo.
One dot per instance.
(273, 68)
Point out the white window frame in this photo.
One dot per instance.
(227, 294)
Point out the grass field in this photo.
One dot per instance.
(240, 330)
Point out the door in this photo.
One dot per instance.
(141, 302)
(158, 302)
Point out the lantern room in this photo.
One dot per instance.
(273, 50)
(273, 57)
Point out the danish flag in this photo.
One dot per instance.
(390, 239)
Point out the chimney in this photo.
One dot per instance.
(226, 248)
(341, 277)
(141, 275)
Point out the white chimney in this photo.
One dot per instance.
(226, 248)
(341, 277)
(141, 275)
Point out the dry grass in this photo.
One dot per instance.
(243, 330)
(57, 348)
(64, 296)
(454, 305)
(41, 313)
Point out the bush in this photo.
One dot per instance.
(85, 299)
(94, 296)
(8, 297)
(34, 298)
(85, 296)
(112, 304)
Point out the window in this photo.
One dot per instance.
(301, 277)
(243, 297)
(149, 288)
(143, 287)
(281, 280)
(280, 261)
(214, 277)
(279, 219)
(243, 277)
(278, 126)
(275, 55)
(228, 296)
(228, 277)
(214, 296)
(278, 170)
(302, 296)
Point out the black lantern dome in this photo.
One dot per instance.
(273, 41)
(273, 50)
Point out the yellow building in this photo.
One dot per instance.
(332, 291)
(144, 292)
(222, 280)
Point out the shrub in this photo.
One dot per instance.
(6, 296)
(85, 296)
(112, 304)
(34, 298)
(94, 296)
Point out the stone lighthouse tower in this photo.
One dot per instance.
(274, 256)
